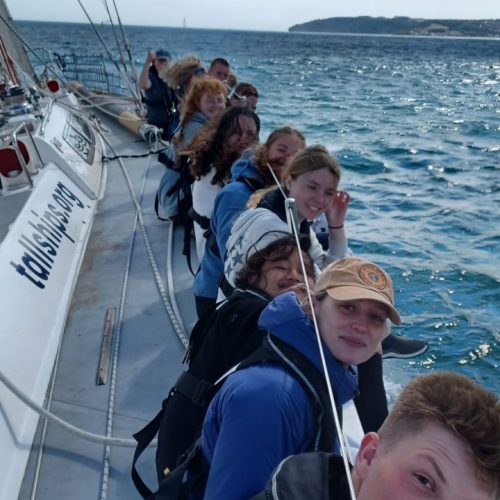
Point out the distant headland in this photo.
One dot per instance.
(402, 26)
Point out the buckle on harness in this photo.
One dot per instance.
(201, 392)
(193, 388)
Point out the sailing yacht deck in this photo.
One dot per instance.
(116, 269)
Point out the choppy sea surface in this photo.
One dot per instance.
(415, 123)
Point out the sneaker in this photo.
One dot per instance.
(402, 347)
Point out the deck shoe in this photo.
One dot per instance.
(402, 347)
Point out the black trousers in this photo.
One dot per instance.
(371, 402)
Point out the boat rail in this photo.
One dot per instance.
(28, 167)
(94, 71)
(46, 117)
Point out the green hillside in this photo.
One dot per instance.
(402, 26)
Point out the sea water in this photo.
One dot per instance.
(415, 124)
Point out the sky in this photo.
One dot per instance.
(261, 15)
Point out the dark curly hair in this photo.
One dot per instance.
(207, 149)
(279, 249)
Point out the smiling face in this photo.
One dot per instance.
(246, 136)
(281, 150)
(212, 105)
(352, 330)
(278, 276)
(313, 191)
(430, 463)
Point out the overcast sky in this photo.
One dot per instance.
(273, 15)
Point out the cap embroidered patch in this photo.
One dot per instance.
(373, 276)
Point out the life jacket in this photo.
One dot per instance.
(192, 464)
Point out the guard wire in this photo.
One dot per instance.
(340, 433)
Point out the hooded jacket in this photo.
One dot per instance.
(262, 413)
(229, 203)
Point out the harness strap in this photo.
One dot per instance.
(193, 388)
(143, 438)
(225, 286)
(193, 463)
(201, 220)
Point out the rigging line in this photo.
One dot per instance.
(116, 347)
(125, 76)
(127, 49)
(83, 96)
(26, 45)
(340, 433)
(176, 322)
(49, 68)
(118, 47)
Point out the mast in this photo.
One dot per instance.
(15, 50)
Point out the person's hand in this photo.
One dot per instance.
(335, 214)
(151, 57)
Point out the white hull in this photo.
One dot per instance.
(40, 258)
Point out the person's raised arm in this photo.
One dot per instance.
(144, 82)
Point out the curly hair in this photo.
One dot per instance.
(280, 249)
(178, 76)
(208, 147)
(191, 102)
(461, 406)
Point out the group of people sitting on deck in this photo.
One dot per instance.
(293, 314)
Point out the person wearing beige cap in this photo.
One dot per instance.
(263, 413)
(363, 299)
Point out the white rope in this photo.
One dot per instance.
(340, 433)
(178, 327)
(88, 436)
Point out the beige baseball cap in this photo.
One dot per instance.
(353, 278)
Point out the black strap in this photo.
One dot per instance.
(308, 375)
(225, 286)
(201, 220)
(212, 242)
(144, 438)
(190, 475)
(194, 388)
(201, 392)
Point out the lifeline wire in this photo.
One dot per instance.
(340, 433)
(124, 75)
